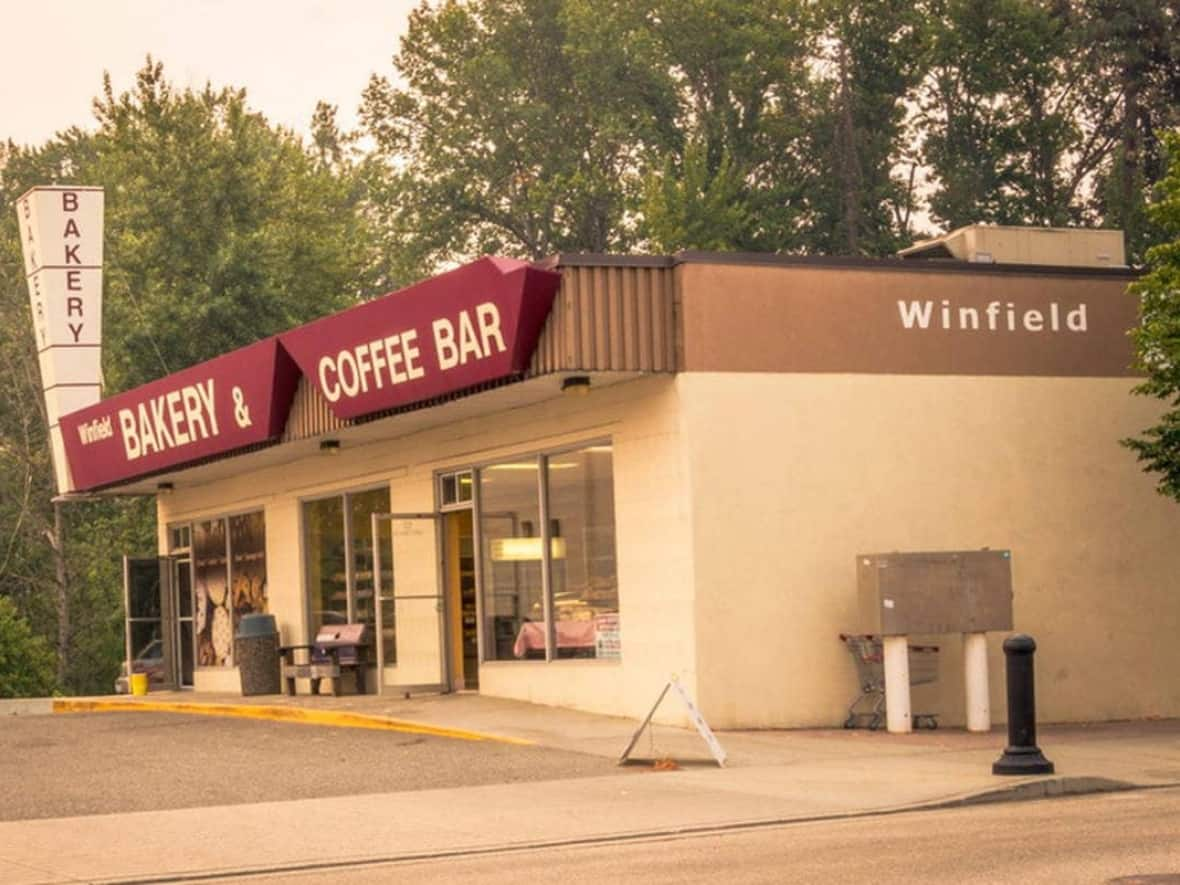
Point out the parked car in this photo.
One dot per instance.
(150, 660)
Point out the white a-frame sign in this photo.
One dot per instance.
(693, 713)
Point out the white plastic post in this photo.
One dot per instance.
(979, 713)
(897, 685)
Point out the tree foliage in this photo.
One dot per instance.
(1157, 339)
(26, 660)
(1049, 111)
(1001, 106)
(1132, 53)
(514, 130)
(821, 126)
(738, 72)
(862, 190)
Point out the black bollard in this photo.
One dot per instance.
(1022, 755)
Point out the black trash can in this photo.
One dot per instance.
(256, 651)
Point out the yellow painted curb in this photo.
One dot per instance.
(297, 715)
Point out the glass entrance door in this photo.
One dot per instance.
(411, 609)
(150, 637)
(186, 636)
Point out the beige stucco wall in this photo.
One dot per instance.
(793, 475)
(641, 417)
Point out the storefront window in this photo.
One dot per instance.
(455, 488)
(210, 594)
(510, 528)
(361, 507)
(327, 580)
(579, 533)
(229, 581)
(247, 556)
(582, 565)
(338, 546)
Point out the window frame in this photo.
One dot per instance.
(180, 552)
(542, 457)
(349, 566)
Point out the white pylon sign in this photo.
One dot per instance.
(61, 231)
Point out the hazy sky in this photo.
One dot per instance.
(286, 53)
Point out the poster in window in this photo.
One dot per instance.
(211, 594)
(607, 641)
(247, 546)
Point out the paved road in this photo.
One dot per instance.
(80, 763)
(1126, 836)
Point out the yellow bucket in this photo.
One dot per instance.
(139, 683)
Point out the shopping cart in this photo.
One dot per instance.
(870, 668)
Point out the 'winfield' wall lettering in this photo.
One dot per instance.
(996, 317)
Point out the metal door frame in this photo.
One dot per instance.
(168, 621)
(174, 561)
(444, 514)
(443, 685)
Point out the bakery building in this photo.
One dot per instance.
(564, 482)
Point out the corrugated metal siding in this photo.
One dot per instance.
(610, 318)
(310, 415)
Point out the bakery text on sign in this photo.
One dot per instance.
(395, 359)
(64, 255)
(75, 309)
(167, 421)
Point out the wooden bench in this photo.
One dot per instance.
(337, 648)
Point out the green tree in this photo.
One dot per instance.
(1132, 53)
(26, 660)
(693, 207)
(1157, 339)
(514, 130)
(539, 126)
(31, 554)
(1049, 111)
(1001, 107)
(861, 194)
(737, 175)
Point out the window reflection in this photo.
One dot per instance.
(580, 538)
(211, 594)
(327, 580)
(247, 546)
(339, 561)
(582, 518)
(512, 587)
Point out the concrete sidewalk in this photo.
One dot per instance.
(772, 777)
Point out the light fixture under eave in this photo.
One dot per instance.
(330, 446)
(525, 549)
(164, 488)
(576, 385)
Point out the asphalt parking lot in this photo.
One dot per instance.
(101, 763)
